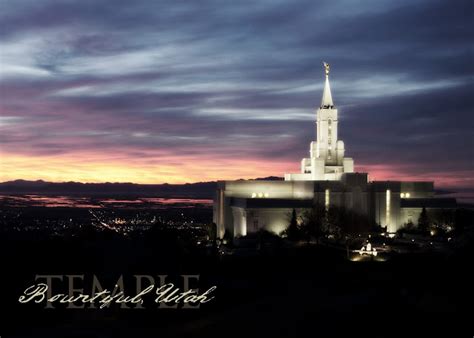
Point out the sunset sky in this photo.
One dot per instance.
(186, 91)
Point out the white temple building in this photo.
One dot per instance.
(326, 177)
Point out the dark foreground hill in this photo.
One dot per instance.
(196, 190)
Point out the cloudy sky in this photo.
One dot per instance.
(186, 91)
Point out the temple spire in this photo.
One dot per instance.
(326, 101)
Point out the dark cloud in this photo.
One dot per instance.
(239, 79)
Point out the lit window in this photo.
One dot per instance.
(254, 195)
(260, 194)
(407, 195)
(266, 194)
(402, 195)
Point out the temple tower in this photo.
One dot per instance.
(326, 160)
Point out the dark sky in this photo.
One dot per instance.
(183, 91)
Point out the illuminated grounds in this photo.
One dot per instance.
(283, 288)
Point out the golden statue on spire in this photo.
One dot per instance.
(326, 67)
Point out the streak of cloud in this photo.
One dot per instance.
(184, 91)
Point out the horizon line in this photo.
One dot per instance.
(437, 186)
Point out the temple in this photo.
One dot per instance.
(326, 178)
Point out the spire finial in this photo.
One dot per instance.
(326, 68)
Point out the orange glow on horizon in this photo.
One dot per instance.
(90, 168)
(122, 168)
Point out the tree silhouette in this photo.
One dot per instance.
(423, 221)
(293, 232)
(313, 221)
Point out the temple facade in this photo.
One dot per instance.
(327, 178)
